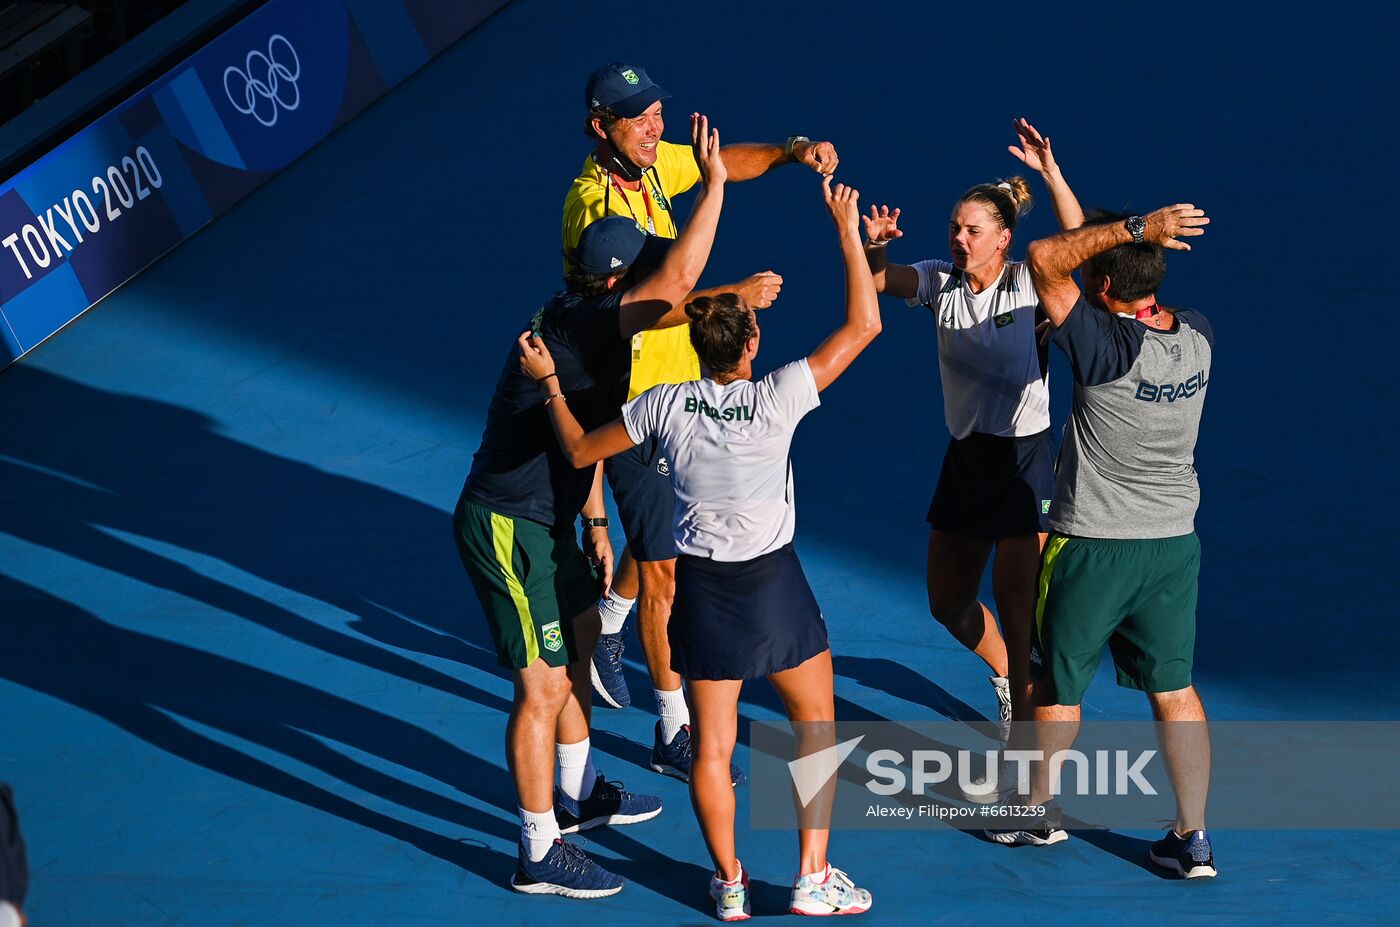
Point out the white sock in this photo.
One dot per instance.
(674, 712)
(819, 877)
(538, 832)
(576, 772)
(614, 609)
(734, 881)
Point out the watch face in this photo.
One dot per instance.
(1135, 226)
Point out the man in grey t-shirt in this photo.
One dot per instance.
(1121, 565)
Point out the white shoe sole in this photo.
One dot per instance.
(549, 888)
(671, 771)
(1195, 872)
(610, 820)
(733, 916)
(826, 910)
(598, 687)
(1024, 838)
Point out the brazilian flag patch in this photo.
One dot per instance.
(1005, 319)
(553, 637)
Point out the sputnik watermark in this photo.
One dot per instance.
(1110, 772)
(1098, 772)
(1115, 774)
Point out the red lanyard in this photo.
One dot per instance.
(646, 200)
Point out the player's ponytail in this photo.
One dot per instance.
(1006, 200)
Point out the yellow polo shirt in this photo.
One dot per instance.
(663, 356)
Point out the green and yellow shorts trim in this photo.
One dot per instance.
(531, 581)
(1136, 596)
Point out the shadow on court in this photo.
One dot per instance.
(159, 473)
(149, 687)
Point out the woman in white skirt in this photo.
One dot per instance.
(743, 608)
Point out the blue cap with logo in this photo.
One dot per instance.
(608, 244)
(622, 88)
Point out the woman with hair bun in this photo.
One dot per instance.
(994, 488)
(743, 608)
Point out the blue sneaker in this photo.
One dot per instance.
(565, 870)
(1189, 857)
(606, 670)
(731, 898)
(607, 804)
(674, 759)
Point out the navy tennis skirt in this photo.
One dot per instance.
(995, 487)
(743, 620)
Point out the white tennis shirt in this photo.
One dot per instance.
(727, 447)
(988, 356)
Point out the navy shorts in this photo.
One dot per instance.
(646, 502)
(743, 620)
(995, 487)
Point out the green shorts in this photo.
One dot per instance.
(531, 581)
(1136, 596)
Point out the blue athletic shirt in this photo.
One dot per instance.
(1127, 466)
(520, 470)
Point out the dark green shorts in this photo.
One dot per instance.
(531, 581)
(1138, 597)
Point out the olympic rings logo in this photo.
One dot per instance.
(259, 90)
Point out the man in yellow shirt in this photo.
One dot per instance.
(632, 172)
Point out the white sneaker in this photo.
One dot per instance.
(1002, 685)
(833, 893)
(731, 898)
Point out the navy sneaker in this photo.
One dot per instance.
(606, 670)
(1189, 857)
(674, 759)
(1029, 830)
(565, 870)
(607, 804)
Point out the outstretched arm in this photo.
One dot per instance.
(862, 324)
(881, 228)
(748, 160)
(1036, 154)
(1054, 259)
(583, 449)
(659, 300)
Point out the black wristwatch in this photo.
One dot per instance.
(1135, 226)
(595, 522)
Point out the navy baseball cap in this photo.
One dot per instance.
(608, 245)
(623, 88)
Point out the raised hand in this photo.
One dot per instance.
(705, 142)
(1035, 150)
(535, 360)
(1164, 226)
(843, 203)
(882, 225)
(819, 156)
(761, 290)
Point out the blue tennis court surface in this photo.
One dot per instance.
(243, 679)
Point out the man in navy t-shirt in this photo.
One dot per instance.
(514, 526)
(1120, 567)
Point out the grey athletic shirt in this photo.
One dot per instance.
(1127, 466)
